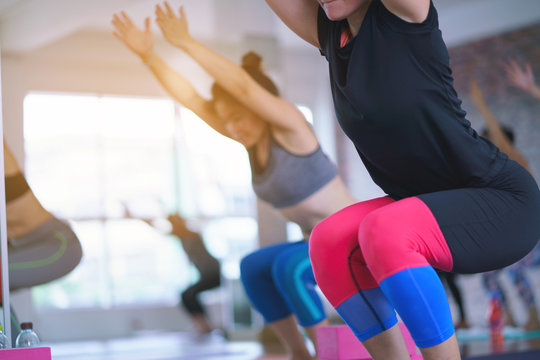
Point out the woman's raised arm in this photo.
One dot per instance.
(300, 16)
(141, 43)
(414, 11)
(496, 133)
(230, 76)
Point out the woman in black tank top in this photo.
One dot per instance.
(468, 208)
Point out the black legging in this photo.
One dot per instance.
(190, 298)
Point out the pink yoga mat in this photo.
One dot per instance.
(337, 342)
(38, 353)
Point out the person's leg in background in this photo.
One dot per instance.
(493, 287)
(517, 273)
(450, 280)
(190, 300)
(281, 302)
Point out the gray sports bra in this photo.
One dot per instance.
(288, 178)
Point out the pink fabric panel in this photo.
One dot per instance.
(391, 236)
(330, 244)
(400, 236)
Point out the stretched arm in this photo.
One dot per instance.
(414, 11)
(300, 16)
(496, 134)
(233, 78)
(141, 43)
(522, 78)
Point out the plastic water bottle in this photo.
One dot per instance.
(27, 337)
(3, 339)
(495, 319)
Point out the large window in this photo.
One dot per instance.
(89, 157)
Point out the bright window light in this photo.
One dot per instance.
(89, 156)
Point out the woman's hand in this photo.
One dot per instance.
(174, 28)
(520, 78)
(140, 42)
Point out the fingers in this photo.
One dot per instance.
(147, 25)
(127, 19)
(118, 24)
(123, 23)
(182, 13)
(170, 11)
(159, 12)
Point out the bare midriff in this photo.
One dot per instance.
(324, 202)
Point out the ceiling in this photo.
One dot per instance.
(26, 25)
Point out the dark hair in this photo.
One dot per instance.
(507, 130)
(251, 62)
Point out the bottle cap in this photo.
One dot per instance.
(26, 325)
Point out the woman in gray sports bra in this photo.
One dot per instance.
(289, 169)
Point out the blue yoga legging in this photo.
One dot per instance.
(279, 281)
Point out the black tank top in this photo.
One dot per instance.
(394, 98)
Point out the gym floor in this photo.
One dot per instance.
(244, 345)
(183, 346)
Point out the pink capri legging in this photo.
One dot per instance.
(381, 237)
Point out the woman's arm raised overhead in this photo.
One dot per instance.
(230, 76)
(141, 43)
(300, 16)
(414, 11)
(494, 129)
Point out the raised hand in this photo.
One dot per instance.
(141, 42)
(518, 77)
(174, 28)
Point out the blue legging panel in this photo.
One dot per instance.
(279, 281)
(419, 297)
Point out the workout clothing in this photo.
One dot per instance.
(460, 206)
(209, 271)
(376, 256)
(190, 297)
(47, 253)
(16, 186)
(199, 255)
(278, 279)
(279, 282)
(289, 178)
(394, 98)
(414, 138)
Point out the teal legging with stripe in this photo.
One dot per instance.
(279, 281)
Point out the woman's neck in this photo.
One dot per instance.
(357, 17)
